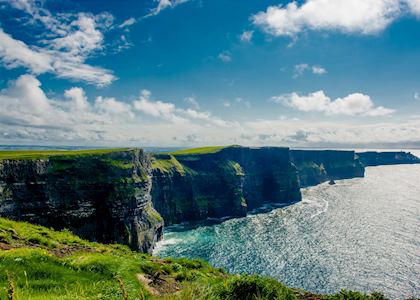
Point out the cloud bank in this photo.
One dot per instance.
(363, 17)
(356, 104)
(28, 115)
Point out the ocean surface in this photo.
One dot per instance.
(361, 234)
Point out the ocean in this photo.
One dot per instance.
(361, 234)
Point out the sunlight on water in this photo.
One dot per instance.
(361, 234)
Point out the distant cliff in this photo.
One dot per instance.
(103, 197)
(226, 182)
(317, 166)
(373, 158)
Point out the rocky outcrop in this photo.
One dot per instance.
(373, 158)
(317, 166)
(104, 197)
(227, 183)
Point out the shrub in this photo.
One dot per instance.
(251, 287)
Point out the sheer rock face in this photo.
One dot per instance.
(372, 158)
(104, 198)
(227, 183)
(317, 166)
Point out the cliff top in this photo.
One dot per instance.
(39, 263)
(201, 150)
(40, 154)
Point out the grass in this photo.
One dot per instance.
(40, 264)
(202, 150)
(167, 163)
(43, 154)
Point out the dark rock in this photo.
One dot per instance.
(227, 183)
(317, 166)
(104, 198)
(372, 158)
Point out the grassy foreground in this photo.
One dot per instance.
(39, 263)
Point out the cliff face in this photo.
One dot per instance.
(317, 166)
(104, 198)
(230, 182)
(373, 158)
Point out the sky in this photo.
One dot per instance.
(312, 73)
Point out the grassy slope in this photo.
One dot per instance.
(39, 263)
(202, 150)
(167, 162)
(39, 154)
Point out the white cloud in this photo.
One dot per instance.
(204, 116)
(414, 6)
(158, 108)
(300, 69)
(111, 106)
(25, 104)
(352, 17)
(352, 105)
(82, 72)
(164, 4)
(82, 41)
(299, 133)
(246, 36)
(192, 102)
(417, 96)
(14, 53)
(68, 41)
(78, 97)
(168, 111)
(127, 23)
(225, 56)
(318, 70)
(27, 89)
(28, 115)
(238, 101)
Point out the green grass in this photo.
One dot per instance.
(42, 154)
(41, 264)
(202, 150)
(167, 163)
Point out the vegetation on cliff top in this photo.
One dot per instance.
(167, 163)
(42, 154)
(39, 263)
(202, 150)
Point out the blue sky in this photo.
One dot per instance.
(314, 73)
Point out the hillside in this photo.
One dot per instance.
(39, 263)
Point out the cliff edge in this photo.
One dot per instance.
(219, 182)
(373, 158)
(101, 195)
(317, 166)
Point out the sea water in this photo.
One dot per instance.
(360, 234)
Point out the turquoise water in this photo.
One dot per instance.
(360, 234)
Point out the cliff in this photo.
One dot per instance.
(221, 182)
(107, 195)
(372, 158)
(102, 196)
(317, 166)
